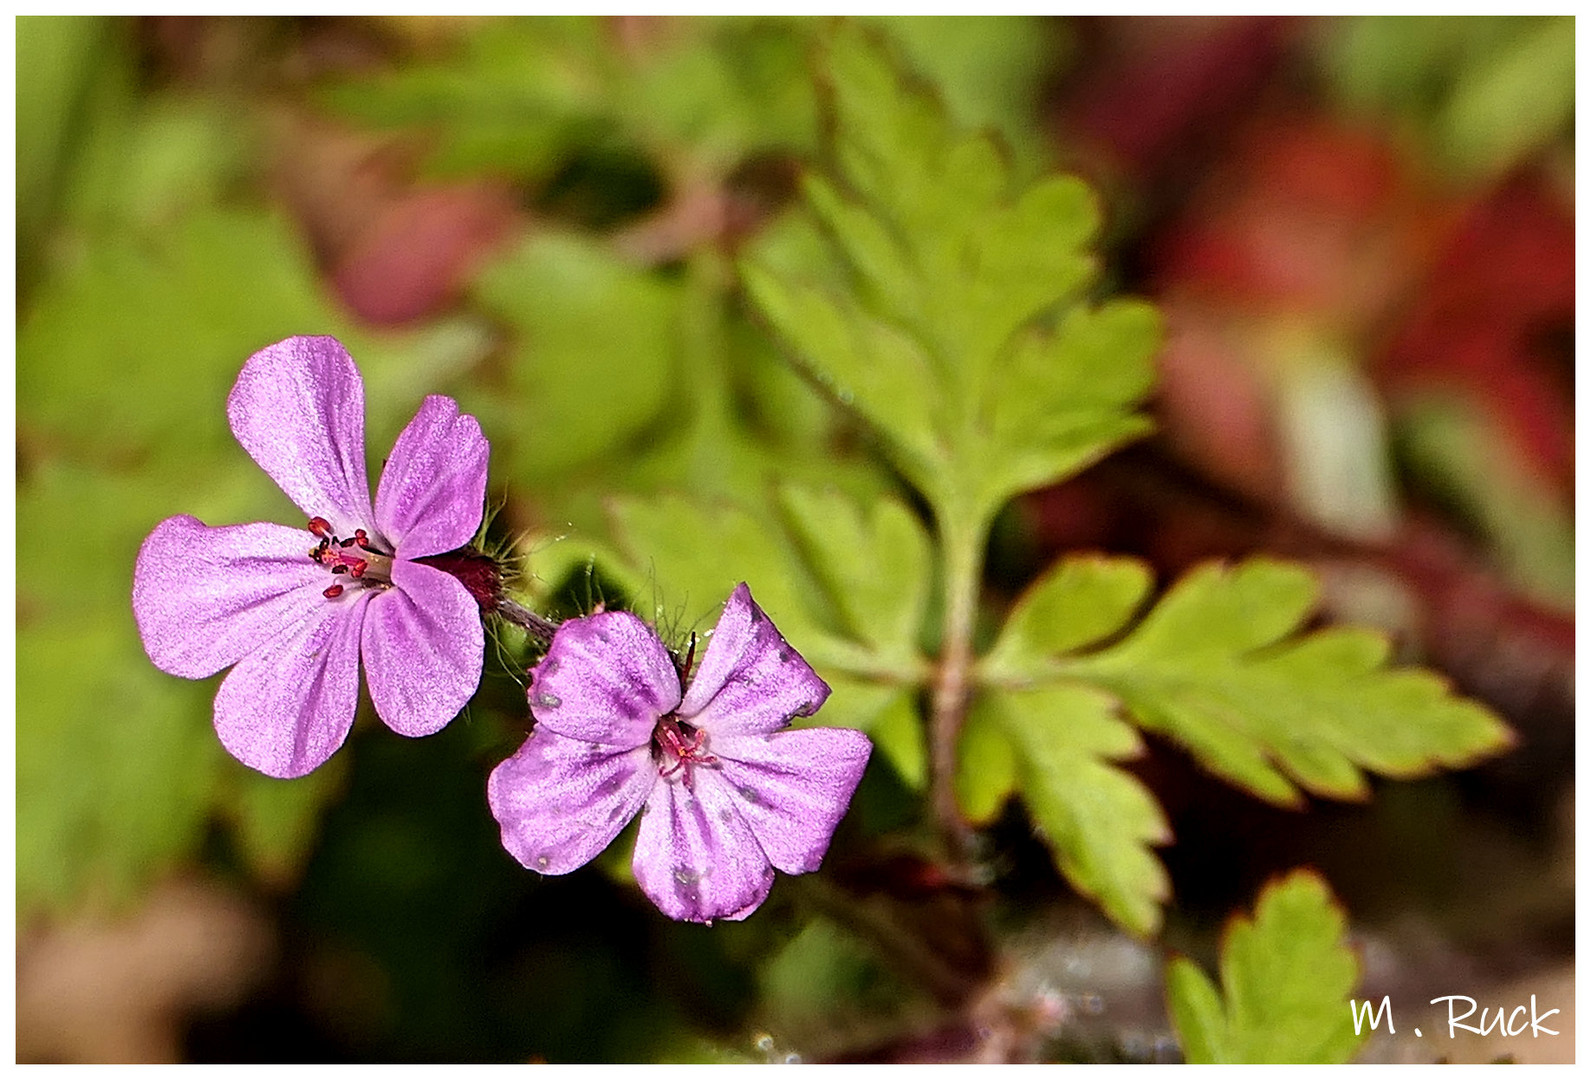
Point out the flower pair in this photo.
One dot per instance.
(725, 793)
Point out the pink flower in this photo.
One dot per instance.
(726, 795)
(292, 610)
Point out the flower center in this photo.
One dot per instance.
(352, 558)
(679, 748)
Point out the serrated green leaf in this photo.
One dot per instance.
(961, 335)
(1075, 603)
(875, 570)
(865, 364)
(1285, 980)
(989, 68)
(1213, 668)
(1099, 821)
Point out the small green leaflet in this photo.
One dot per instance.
(1285, 980)
(962, 334)
(1056, 745)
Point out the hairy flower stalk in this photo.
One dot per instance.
(726, 794)
(292, 611)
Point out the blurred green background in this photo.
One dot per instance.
(1342, 219)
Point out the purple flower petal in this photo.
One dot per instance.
(433, 486)
(695, 856)
(206, 597)
(423, 646)
(298, 408)
(561, 801)
(793, 786)
(288, 705)
(750, 681)
(606, 679)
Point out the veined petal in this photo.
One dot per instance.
(793, 787)
(433, 487)
(288, 706)
(751, 681)
(423, 646)
(605, 679)
(561, 801)
(206, 597)
(695, 856)
(298, 408)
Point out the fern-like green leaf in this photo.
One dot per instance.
(959, 329)
(1215, 667)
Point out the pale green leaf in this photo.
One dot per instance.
(595, 345)
(1195, 1007)
(116, 766)
(875, 570)
(961, 334)
(1515, 103)
(514, 95)
(1075, 603)
(986, 767)
(1100, 823)
(1286, 975)
(863, 363)
(691, 556)
(1214, 667)
(175, 318)
(887, 712)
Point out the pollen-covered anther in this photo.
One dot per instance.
(352, 556)
(681, 750)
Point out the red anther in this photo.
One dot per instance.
(360, 538)
(339, 569)
(332, 592)
(358, 568)
(320, 526)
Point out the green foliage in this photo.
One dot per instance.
(1097, 819)
(595, 345)
(179, 315)
(58, 59)
(1285, 980)
(1214, 666)
(527, 96)
(874, 570)
(118, 769)
(1484, 92)
(518, 95)
(960, 334)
